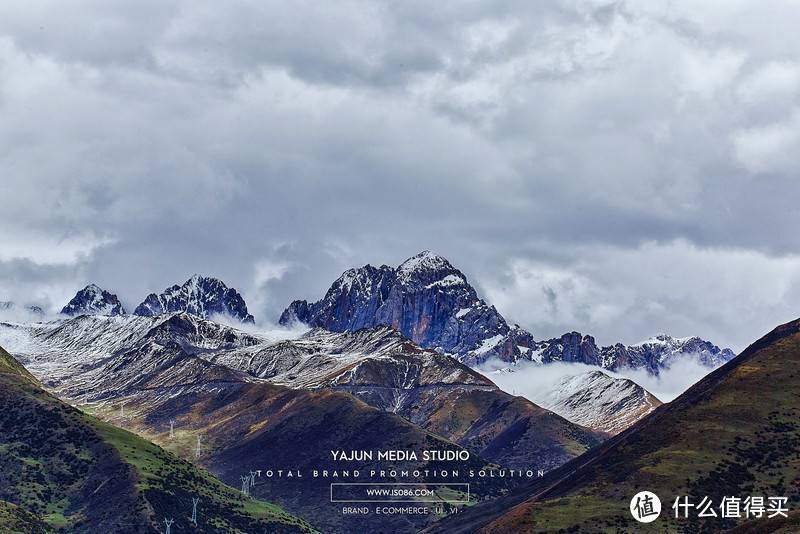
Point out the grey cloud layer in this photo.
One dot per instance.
(610, 167)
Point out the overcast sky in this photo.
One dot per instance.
(621, 169)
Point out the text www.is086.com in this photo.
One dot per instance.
(398, 492)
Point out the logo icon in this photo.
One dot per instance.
(645, 507)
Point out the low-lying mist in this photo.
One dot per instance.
(534, 381)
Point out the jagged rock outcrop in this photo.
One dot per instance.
(734, 432)
(426, 299)
(663, 350)
(199, 295)
(572, 347)
(432, 303)
(94, 300)
(653, 354)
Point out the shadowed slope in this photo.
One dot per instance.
(734, 433)
(66, 469)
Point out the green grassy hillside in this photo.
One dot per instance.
(71, 472)
(735, 433)
(10, 366)
(264, 426)
(15, 520)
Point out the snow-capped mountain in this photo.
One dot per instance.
(79, 357)
(572, 347)
(432, 303)
(199, 295)
(596, 400)
(147, 373)
(379, 356)
(30, 308)
(385, 369)
(735, 430)
(660, 351)
(99, 358)
(426, 299)
(94, 300)
(653, 354)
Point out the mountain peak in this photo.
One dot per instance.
(599, 401)
(663, 338)
(428, 269)
(198, 283)
(425, 261)
(725, 420)
(653, 354)
(199, 295)
(93, 300)
(425, 298)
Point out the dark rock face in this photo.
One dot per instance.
(654, 354)
(201, 296)
(430, 301)
(572, 347)
(93, 300)
(661, 351)
(426, 299)
(353, 301)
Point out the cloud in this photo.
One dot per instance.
(533, 381)
(730, 296)
(769, 148)
(19, 314)
(674, 380)
(537, 382)
(49, 249)
(775, 80)
(145, 141)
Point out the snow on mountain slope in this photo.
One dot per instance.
(435, 391)
(431, 302)
(322, 359)
(662, 350)
(93, 300)
(426, 299)
(59, 351)
(599, 401)
(199, 295)
(48, 348)
(103, 358)
(652, 355)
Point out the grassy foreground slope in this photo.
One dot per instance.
(15, 519)
(734, 433)
(63, 470)
(250, 426)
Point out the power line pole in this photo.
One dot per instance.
(245, 485)
(168, 522)
(195, 502)
(171, 428)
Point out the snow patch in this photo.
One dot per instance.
(488, 344)
(448, 281)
